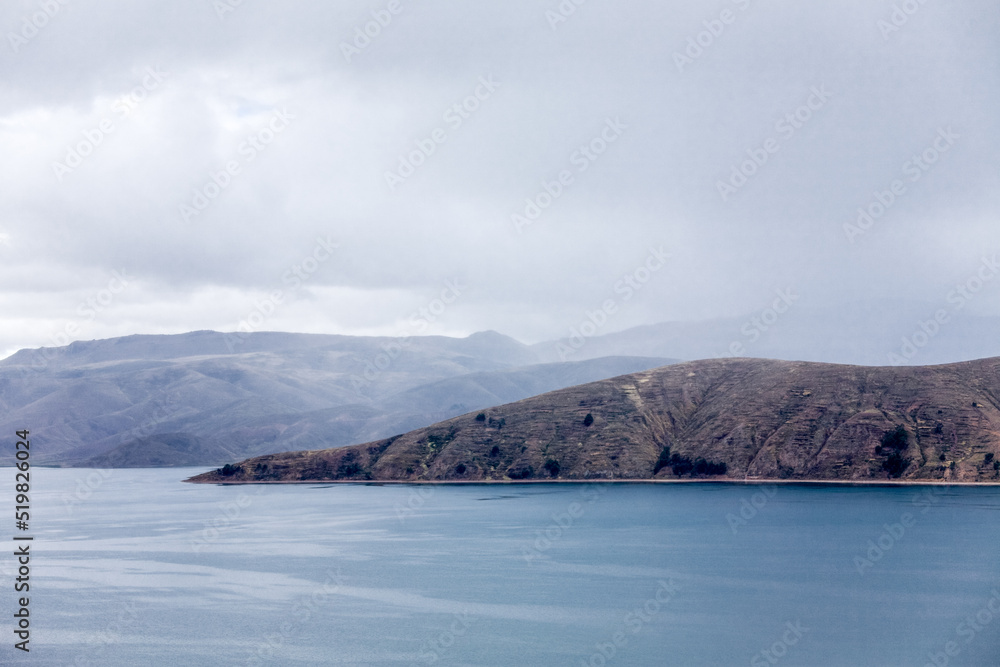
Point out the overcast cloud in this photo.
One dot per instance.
(310, 128)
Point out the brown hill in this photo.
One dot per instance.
(754, 419)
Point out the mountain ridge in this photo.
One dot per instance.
(104, 403)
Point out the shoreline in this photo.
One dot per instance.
(504, 482)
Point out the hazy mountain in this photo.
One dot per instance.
(207, 397)
(99, 402)
(870, 332)
(164, 450)
(733, 418)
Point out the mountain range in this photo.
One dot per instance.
(205, 398)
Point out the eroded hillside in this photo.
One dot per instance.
(756, 419)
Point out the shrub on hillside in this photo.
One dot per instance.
(892, 445)
(682, 465)
(895, 440)
(895, 464)
(524, 472)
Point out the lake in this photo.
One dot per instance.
(133, 567)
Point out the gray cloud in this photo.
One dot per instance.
(323, 174)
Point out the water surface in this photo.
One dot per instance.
(133, 567)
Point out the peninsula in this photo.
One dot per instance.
(719, 419)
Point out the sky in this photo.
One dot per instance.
(393, 167)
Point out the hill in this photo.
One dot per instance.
(205, 398)
(726, 418)
(165, 450)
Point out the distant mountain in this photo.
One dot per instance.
(165, 450)
(732, 419)
(205, 397)
(100, 402)
(870, 332)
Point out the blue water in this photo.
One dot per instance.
(133, 567)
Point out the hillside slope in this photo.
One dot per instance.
(204, 398)
(760, 419)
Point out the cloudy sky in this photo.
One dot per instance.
(337, 166)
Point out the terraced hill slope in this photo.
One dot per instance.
(752, 419)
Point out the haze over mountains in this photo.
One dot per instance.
(869, 333)
(723, 419)
(207, 398)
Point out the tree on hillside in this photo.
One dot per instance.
(895, 440)
(892, 445)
